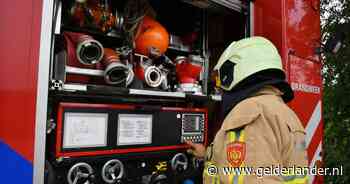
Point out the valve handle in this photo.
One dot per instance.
(112, 171)
(79, 171)
(179, 162)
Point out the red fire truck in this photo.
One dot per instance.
(102, 91)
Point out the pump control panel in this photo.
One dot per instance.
(193, 127)
(100, 129)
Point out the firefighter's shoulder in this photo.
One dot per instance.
(276, 110)
(244, 113)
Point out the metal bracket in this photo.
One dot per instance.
(56, 85)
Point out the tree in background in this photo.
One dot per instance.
(335, 16)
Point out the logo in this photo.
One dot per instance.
(236, 153)
(212, 170)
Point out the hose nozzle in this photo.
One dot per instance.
(115, 71)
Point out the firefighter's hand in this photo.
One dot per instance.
(198, 150)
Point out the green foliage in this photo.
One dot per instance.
(336, 73)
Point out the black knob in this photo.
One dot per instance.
(180, 169)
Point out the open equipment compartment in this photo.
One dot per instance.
(100, 69)
(93, 54)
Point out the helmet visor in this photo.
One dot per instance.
(226, 74)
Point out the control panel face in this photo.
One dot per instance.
(100, 129)
(123, 143)
(193, 127)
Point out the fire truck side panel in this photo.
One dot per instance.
(19, 54)
(306, 81)
(302, 28)
(294, 26)
(302, 50)
(267, 21)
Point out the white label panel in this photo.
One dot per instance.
(82, 130)
(134, 129)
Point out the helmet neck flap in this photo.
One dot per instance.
(251, 85)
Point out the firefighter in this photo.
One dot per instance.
(261, 139)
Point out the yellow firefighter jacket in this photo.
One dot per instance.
(260, 141)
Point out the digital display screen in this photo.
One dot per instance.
(191, 123)
(134, 129)
(84, 130)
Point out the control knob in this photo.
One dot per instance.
(112, 171)
(179, 162)
(80, 173)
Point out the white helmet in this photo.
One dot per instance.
(244, 58)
